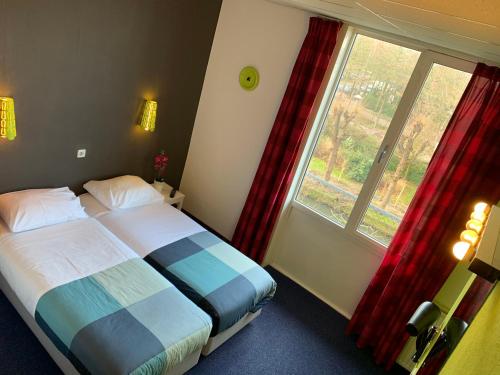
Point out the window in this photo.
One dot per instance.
(378, 131)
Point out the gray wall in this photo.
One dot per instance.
(79, 70)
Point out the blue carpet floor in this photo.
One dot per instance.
(296, 334)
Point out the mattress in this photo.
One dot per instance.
(218, 278)
(102, 306)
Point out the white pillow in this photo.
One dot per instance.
(123, 192)
(35, 208)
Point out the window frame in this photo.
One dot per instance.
(396, 127)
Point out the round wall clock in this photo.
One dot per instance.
(249, 78)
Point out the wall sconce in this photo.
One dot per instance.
(7, 119)
(148, 118)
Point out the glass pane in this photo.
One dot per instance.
(367, 96)
(406, 167)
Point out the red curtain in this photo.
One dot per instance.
(465, 168)
(274, 175)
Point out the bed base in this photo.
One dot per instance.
(216, 341)
(64, 364)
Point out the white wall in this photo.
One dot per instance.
(232, 125)
(313, 252)
(229, 136)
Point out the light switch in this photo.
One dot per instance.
(81, 153)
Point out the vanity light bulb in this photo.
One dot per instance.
(469, 236)
(474, 225)
(481, 207)
(460, 249)
(479, 216)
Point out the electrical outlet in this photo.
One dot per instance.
(81, 153)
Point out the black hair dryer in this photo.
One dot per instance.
(421, 325)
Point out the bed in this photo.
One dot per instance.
(95, 305)
(226, 284)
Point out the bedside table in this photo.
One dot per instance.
(177, 200)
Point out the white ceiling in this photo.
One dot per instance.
(468, 26)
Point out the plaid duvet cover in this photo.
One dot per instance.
(218, 278)
(125, 320)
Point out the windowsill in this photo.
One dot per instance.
(365, 243)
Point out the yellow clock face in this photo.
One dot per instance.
(249, 78)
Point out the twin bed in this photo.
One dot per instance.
(223, 282)
(137, 290)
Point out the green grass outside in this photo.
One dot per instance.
(337, 207)
(318, 167)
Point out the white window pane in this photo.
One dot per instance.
(406, 167)
(368, 93)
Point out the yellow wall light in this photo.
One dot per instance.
(481, 207)
(474, 225)
(7, 119)
(469, 236)
(148, 118)
(479, 216)
(460, 249)
(480, 212)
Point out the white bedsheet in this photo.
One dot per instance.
(37, 261)
(92, 206)
(4, 229)
(146, 228)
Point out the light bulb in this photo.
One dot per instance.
(460, 249)
(479, 216)
(469, 236)
(481, 207)
(474, 225)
